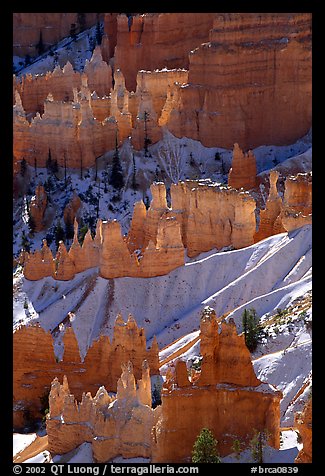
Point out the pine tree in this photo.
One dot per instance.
(116, 178)
(40, 45)
(69, 230)
(81, 18)
(134, 184)
(23, 167)
(257, 445)
(252, 328)
(31, 224)
(25, 243)
(35, 166)
(59, 234)
(82, 233)
(205, 448)
(49, 161)
(98, 34)
(147, 141)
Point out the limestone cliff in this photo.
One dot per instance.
(101, 366)
(227, 386)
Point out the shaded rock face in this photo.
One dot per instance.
(244, 83)
(297, 201)
(27, 28)
(101, 365)
(227, 386)
(115, 426)
(294, 211)
(303, 424)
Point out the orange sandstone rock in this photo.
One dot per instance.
(115, 426)
(303, 423)
(244, 82)
(269, 225)
(297, 201)
(71, 210)
(226, 387)
(37, 207)
(157, 40)
(101, 365)
(243, 169)
(65, 268)
(39, 264)
(53, 26)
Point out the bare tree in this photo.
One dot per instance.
(171, 156)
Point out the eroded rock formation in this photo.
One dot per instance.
(269, 223)
(203, 216)
(297, 201)
(303, 424)
(294, 211)
(37, 207)
(242, 173)
(243, 74)
(127, 425)
(155, 41)
(100, 366)
(115, 426)
(227, 386)
(250, 83)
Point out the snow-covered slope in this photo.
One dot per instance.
(266, 275)
(272, 276)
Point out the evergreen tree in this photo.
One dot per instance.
(205, 448)
(40, 45)
(23, 167)
(49, 161)
(99, 34)
(27, 60)
(134, 184)
(69, 230)
(252, 328)
(31, 224)
(54, 168)
(73, 31)
(82, 233)
(35, 166)
(147, 141)
(25, 243)
(116, 178)
(257, 445)
(81, 18)
(156, 395)
(59, 234)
